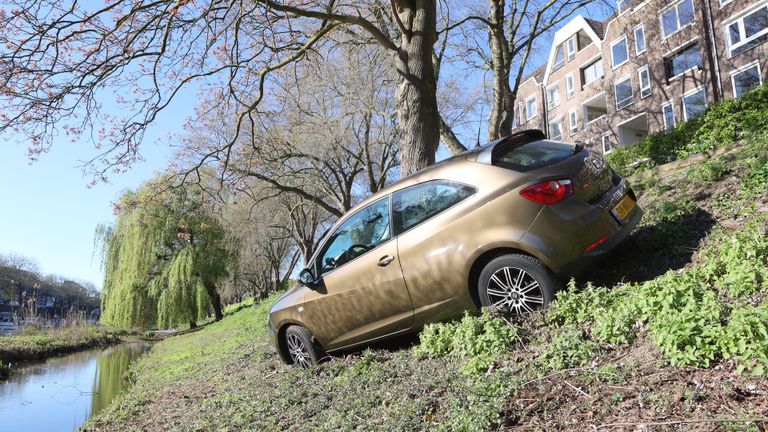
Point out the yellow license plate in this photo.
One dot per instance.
(624, 208)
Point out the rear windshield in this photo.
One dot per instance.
(533, 155)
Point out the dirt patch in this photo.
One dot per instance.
(634, 390)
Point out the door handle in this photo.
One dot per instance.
(385, 260)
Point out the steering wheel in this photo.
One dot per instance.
(352, 251)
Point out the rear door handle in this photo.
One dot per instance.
(385, 260)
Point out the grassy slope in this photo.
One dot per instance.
(40, 344)
(225, 377)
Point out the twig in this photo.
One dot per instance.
(668, 423)
(577, 389)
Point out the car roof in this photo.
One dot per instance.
(483, 154)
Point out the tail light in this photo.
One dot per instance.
(548, 192)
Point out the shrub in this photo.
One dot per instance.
(478, 339)
(722, 124)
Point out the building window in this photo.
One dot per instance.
(747, 31)
(553, 96)
(669, 115)
(694, 103)
(569, 87)
(530, 107)
(619, 52)
(683, 60)
(592, 71)
(607, 146)
(521, 111)
(623, 4)
(571, 45)
(559, 59)
(573, 124)
(746, 79)
(639, 39)
(676, 18)
(556, 129)
(624, 95)
(645, 82)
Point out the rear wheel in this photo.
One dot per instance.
(301, 347)
(517, 284)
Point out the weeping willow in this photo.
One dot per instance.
(162, 259)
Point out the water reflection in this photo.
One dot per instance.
(62, 393)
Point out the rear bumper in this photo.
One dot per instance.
(582, 263)
(564, 231)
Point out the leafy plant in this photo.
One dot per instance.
(574, 306)
(755, 178)
(684, 312)
(745, 338)
(709, 171)
(568, 348)
(737, 263)
(478, 339)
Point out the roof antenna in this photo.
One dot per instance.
(479, 125)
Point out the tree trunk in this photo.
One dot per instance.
(213, 295)
(502, 112)
(417, 86)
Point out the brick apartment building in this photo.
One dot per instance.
(650, 66)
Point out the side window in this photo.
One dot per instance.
(414, 205)
(362, 232)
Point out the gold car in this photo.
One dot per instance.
(501, 225)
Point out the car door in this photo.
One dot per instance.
(432, 238)
(362, 295)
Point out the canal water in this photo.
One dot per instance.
(63, 392)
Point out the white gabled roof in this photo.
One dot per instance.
(574, 26)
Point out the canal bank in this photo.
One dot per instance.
(35, 345)
(62, 393)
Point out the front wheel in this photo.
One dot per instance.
(302, 349)
(517, 284)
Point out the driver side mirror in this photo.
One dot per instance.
(308, 279)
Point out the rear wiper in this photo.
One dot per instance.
(577, 148)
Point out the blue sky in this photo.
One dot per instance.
(49, 214)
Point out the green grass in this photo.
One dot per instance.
(36, 344)
(586, 361)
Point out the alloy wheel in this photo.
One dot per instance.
(298, 351)
(514, 290)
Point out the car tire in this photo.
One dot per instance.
(301, 348)
(517, 284)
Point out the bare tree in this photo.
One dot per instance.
(20, 262)
(59, 61)
(327, 135)
(267, 254)
(501, 36)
